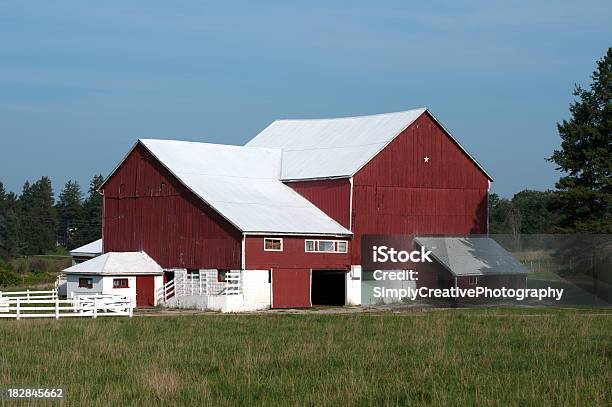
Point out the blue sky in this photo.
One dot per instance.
(81, 81)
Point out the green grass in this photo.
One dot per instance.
(452, 357)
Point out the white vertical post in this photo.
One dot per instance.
(200, 281)
(95, 308)
(18, 315)
(56, 307)
(28, 294)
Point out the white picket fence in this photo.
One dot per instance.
(46, 304)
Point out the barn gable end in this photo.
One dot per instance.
(147, 209)
(422, 182)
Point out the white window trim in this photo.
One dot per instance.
(273, 238)
(316, 246)
(306, 246)
(475, 280)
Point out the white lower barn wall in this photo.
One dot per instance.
(255, 295)
(353, 286)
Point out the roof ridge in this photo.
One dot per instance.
(211, 144)
(355, 117)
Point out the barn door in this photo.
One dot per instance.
(291, 288)
(145, 291)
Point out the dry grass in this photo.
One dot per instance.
(442, 358)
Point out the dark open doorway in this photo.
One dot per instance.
(328, 287)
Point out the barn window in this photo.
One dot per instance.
(311, 246)
(222, 275)
(273, 245)
(326, 246)
(120, 283)
(472, 280)
(85, 283)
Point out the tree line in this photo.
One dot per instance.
(34, 223)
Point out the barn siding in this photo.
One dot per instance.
(291, 268)
(148, 209)
(293, 255)
(398, 193)
(332, 196)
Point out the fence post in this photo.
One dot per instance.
(28, 294)
(56, 307)
(18, 314)
(95, 308)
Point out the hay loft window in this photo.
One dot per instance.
(85, 283)
(273, 244)
(120, 283)
(326, 246)
(472, 280)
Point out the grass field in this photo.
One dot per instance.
(454, 357)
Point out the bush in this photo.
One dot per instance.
(8, 278)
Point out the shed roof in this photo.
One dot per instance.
(114, 263)
(337, 147)
(472, 256)
(242, 184)
(89, 250)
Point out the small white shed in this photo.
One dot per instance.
(132, 274)
(86, 252)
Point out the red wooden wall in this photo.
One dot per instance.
(291, 268)
(332, 196)
(399, 193)
(147, 208)
(293, 255)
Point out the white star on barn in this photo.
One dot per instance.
(426, 159)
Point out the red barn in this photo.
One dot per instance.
(284, 215)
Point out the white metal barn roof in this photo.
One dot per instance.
(472, 256)
(338, 147)
(89, 250)
(242, 184)
(128, 263)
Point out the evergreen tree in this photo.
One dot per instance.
(584, 195)
(91, 214)
(38, 217)
(9, 224)
(68, 213)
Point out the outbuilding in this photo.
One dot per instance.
(131, 274)
(86, 252)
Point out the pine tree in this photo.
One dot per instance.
(38, 217)
(68, 212)
(584, 195)
(91, 214)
